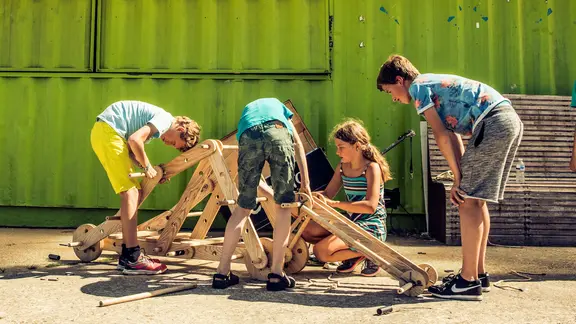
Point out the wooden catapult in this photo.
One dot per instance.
(214, 176)
(161, 235)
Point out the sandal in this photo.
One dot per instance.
(282, 282)
(220, 281)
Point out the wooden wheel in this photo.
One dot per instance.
(86, 254)
(294, 260)
(432, 273)
(417, 279)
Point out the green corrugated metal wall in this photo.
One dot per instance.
(222, 54)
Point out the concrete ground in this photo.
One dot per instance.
(34, 289)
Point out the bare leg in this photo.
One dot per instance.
(280, 242)
(314, 233)
(484, 244)
(471, 228)
(231, 238)
(129, 216)
(332, 249)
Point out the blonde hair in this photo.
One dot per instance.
(191, 133)
(396, 65)
(352, 132)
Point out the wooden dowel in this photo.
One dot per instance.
(404, 288)
(291, 205)
(114, 301)
(205, 146)
(233, 202)
(111, 218)
(229, 147)
(72, 244)
(136, 175)
(194, 214)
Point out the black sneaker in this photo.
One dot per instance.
(458, 288)
(483, 277)
(485, 281)
(370, 269)
(349, 265)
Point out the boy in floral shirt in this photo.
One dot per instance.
(455, 106)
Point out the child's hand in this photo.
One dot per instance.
(150, 171)
(332, 203)
(457, 195)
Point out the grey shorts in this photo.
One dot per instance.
(490, 154)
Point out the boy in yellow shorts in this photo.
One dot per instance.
(118, 139)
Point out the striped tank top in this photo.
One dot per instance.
(355, 189)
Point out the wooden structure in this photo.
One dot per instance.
(541, 211)
(161, 235)
(413, 279)
(214, 176)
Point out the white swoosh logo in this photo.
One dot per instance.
(459, 290)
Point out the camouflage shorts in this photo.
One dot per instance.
(271, 142)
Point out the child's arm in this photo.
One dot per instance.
(369, 205)
(136, 144)
(451, 150)
(333, 186)
(301, 160)
(457, 144)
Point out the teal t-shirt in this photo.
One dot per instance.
(126, 117)
(262, 110)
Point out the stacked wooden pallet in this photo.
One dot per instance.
(541, 211)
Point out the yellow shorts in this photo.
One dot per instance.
(112, 151)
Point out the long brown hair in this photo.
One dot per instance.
(352, 132)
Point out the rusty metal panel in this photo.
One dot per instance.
(216, 36)
(46, 35)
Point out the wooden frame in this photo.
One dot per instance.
(161, 235)
(413, 279)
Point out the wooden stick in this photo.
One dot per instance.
(71, 244)
(229, 147)
(114, 301)
(136, 175)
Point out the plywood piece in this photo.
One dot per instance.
(395, 263)
(208, 215)
(229, 191)
(196, 187)
(100, 232)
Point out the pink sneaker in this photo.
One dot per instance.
(144, 266)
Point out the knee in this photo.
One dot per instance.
(471, 205)
(320, 252)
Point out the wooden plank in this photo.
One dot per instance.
(344, 227)
(208, 216)
(195, 189)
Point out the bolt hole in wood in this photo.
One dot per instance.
(247, 231)
(299, 251)
(214, 253)
(221, 174)
(185, 160)
(201, 173)
(148, 228)
(167, 217)
(205, 221)
(113, 243)
(101, 231)
(85, 231)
